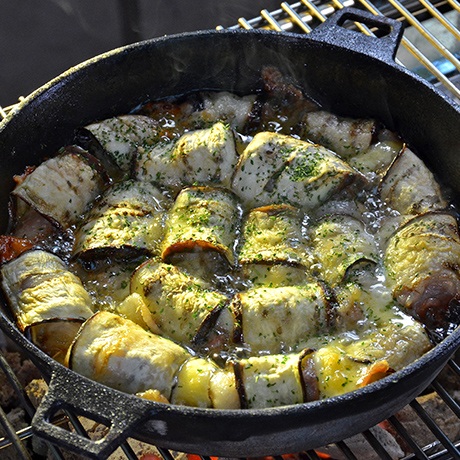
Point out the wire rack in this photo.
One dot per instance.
(431, 48)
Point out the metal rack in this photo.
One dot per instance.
(431, 48)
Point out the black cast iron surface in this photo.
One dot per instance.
(348, 73)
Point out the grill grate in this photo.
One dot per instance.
(431, 48)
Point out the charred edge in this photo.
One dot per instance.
(308, 380)
(239, 382)
(332, 304)
(206, 327)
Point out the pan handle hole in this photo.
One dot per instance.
(380, 30)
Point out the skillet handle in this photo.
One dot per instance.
(332, 32)
(74, 395)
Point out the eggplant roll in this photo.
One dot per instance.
(120, 354)
(127, 221)
(273, 380)
(409, 186)
(345, 136)
(279, 319)
(61, 188)
(339, 242)
(273, 235)
(223, 106)
(205, 218)
(121, 137)
(46, 297)
(200, 383)
(184, 307)
(277, 169)
(341, 367)
(422, 263)
(203, 157)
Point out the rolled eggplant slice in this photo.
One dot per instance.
(122, 355)
(202, 218)
(343, 367)
(409, 186)
(274, 235)
(277, 169)
(44, 296)
(223, 106)
(181, 305)
(126, 222)
(281, 319)
(203, 157)
(339, 242)
(273, 380)
(422, 263)
(345, 136)
(120, 137)
(61, 188)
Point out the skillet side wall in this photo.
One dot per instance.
(340, 80)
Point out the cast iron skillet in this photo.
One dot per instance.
(348, 73)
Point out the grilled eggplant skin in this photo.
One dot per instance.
(422, 262)
(126, 222)
(277, 169)
(46, 297)
(61, 188)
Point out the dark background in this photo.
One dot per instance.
(40, 39)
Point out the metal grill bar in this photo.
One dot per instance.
(304, 15)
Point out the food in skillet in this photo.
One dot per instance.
(233, 252)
